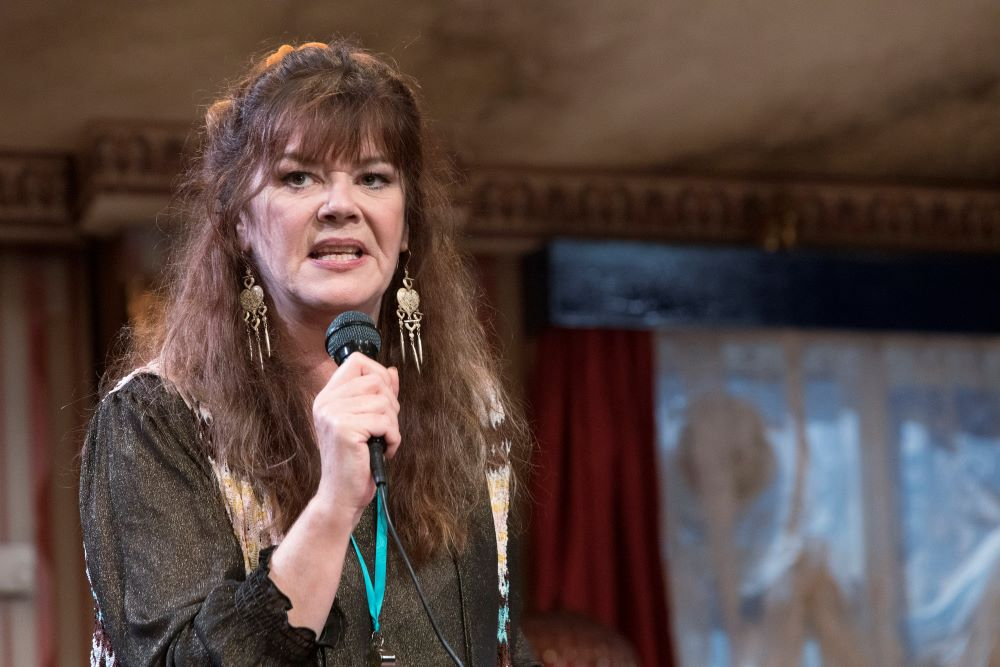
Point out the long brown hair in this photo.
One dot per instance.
(333, 98)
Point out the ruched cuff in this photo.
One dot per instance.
(264, 608)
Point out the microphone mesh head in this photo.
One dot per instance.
(354, 330)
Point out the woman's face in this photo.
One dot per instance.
(326, 237)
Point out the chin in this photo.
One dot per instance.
(334, 308)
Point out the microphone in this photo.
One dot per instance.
(355, 332)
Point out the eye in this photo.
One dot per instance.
(297, 179)
(374, 180)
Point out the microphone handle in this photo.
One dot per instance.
(376, 453)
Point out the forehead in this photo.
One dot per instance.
(302, 151)
(331, 129)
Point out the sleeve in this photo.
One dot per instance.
(165, 567)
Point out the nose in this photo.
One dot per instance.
(339, 205)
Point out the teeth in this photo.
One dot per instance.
(338, 253)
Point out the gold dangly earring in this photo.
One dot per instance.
(254, 314)
(408, 312)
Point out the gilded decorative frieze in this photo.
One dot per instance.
(127, 171)
(35, 198)
(133, 156)
(772, 214)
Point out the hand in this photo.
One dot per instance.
(359, 401)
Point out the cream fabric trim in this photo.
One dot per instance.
(252, 518)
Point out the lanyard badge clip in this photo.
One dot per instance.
(378, 656)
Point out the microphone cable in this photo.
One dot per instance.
(380, 489)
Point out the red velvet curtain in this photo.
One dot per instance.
(595, 529)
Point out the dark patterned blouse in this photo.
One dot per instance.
(177, 556)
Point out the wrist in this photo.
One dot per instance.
(324, 510)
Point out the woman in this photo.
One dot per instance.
(223, 480)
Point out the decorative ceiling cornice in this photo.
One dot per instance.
(35, 198)
(128, 170)
(132, 156)
(772, 214)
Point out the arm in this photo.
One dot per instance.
(166, 570)
(358, 401)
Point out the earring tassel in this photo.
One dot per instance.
(254, 314)
(409, 315)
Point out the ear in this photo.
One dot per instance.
(404, 246)
(243, 235)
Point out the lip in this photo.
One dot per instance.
(335, 244)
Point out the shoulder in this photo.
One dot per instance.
(146, 391)
(140, 386)
(144, 410)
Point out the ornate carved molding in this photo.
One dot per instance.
(128, 171)
(772, 214)
(35, 198)
(132, 156)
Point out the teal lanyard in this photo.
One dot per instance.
(375, 593)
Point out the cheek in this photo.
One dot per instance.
(270, 233)
(396, 225)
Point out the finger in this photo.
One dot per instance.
(353, 383)
(388, 429)
(357, 388)
(368, 366)
(350, 436)
(383, 426)
(330, 408)
(375, 426)
(382, 403)
(391, 447)
(359, 366)
(362, 384)
(394, 374)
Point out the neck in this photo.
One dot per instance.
(308, 343)
(308, 352)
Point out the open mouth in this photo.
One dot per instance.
(338, 253)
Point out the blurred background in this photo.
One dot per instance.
(740, 259)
